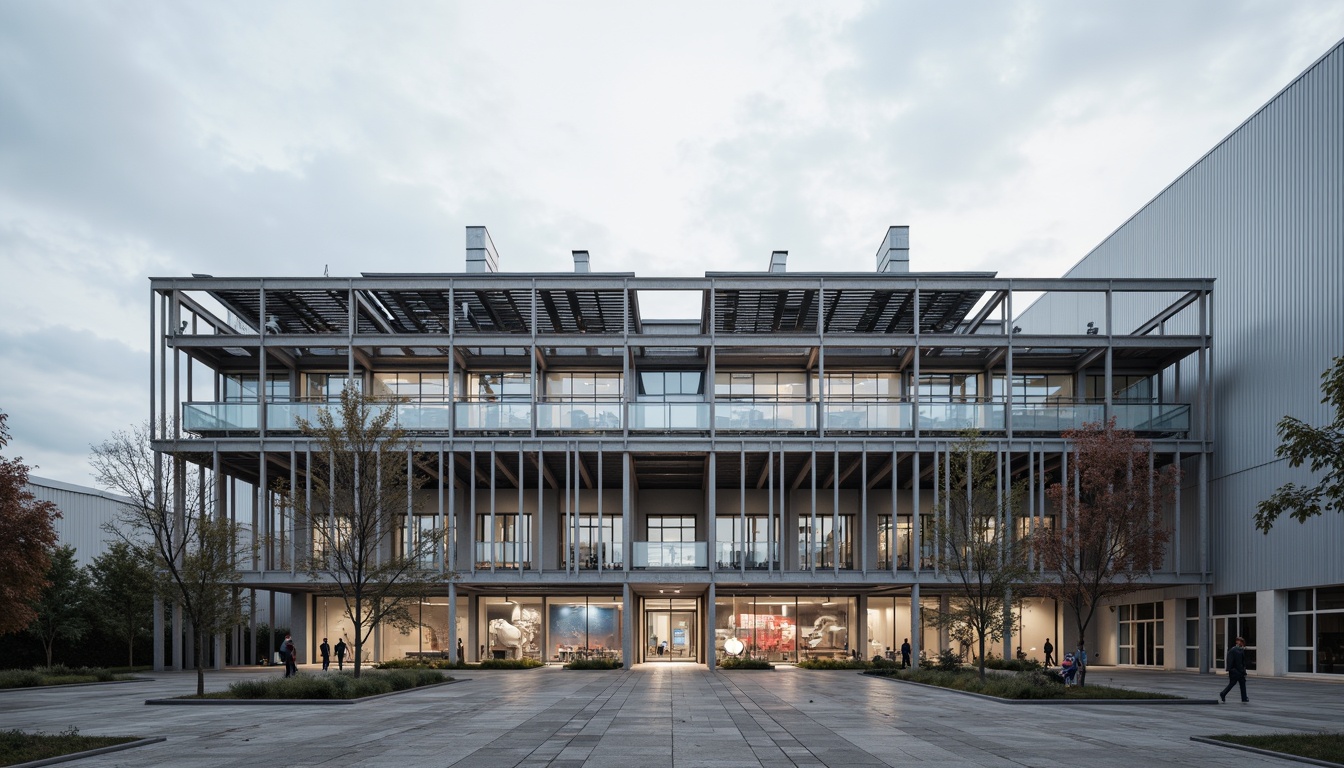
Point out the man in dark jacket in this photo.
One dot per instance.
(325, 650)
(287, 654)
(905, 654)
(340, 653)
(1236, 670)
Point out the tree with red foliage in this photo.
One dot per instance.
(27, 537)
(1111, 532)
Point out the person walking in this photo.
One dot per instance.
(1236, 670)
(1049, 653)
(905, 653)
(340, 654)
(1080, 662)
(461, 652)
(325, 650)
(288, 654)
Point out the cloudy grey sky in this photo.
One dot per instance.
(264, 138)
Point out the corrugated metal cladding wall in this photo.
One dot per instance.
(84, 511)
(1263, 213)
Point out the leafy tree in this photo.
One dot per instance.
(1322, 449)
(63, 609)
(1111, 533)
(124, 584)
(27, 537)
(974, 547)
(362, 490)
(193, 553)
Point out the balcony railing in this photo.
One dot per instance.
(680, 554)
(669, 417)
(752, 555)
(580, 416)
(764, 415)
(503, 554)
(728, 416)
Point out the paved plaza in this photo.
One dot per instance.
(678, 716)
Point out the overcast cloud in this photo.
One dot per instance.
(263, 138)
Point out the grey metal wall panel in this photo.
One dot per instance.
(84, 512)
(1263, 213)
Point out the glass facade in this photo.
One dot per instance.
(1140, 633)
(784, 629)
(584, 628)
(1233, 617)
(1316, 630)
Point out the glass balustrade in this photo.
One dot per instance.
(954, 417)
(1055, 417)
(208, 417)
(1152, 417)
(764, 415)
(677, 554)
(579, 416)
(751, 555)
(503, 554)
(507, 416)
(669, 417)
(858, 416)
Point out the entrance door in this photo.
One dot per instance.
(671, 636)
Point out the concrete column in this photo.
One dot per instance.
(1173, 633)
(452, 621)
(298, 627)
(473, 628)
(627, 624)
(1205, 631)
(158, 635)
(219, 651)
(189, 648)
(1271, 632)
(943, 641)
(711, 622)
(916, 637)
(860, 639)
(177, 637)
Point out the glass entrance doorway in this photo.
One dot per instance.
(671, 630)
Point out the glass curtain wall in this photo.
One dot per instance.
(829, 546)
(1140, 635)
(602, 543)
(584, 628)
(1233, 617)
(1316, 630)
(744, 542)
(510, 627)
(784, 629)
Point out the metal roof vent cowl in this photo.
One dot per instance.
(779, 261)
(481, 253)
(580, 261)
(894, 255)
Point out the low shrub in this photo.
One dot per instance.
(1012, 665)
(57, 674)
(1037, 684)
(738, 662)
(446, 664)
(595, 664)
(19, 747)
(341, 685)
(509, 664)
(834, 664)
(948, 661)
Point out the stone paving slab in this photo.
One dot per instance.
(680, 716)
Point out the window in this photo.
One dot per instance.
(1316, 630)
(671, 528)
(670, 386)
(1124, 389)
(327, 387)
(760, 385)
(859, 385)
(1141, 628)
(830, 547)
(1233, 617)
(243, 388)
(1037, 388)
(493, 387)
(900, 547)
(414, 386)
(602, 543)
(583, 385)
(744, 542)
(507, 545)
(948, 388)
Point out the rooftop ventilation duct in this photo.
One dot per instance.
(894, 255)
(779, 261)
(481, 253)
(580, 261)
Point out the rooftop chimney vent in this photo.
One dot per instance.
(894, 255)
(481, 253)
(779, 261)
(580, 261)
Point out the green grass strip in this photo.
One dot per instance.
(19, 747)
(1014, 685)
(1317, 746)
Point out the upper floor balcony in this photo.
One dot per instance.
(790, 417)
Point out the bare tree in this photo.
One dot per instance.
(27, 539)
(366, 548)
(974, 545)
(1322, 448)
(1111, 534)
(169, 515)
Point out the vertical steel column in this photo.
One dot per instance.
(893, 536)
(835, 510)
(627, 543)
(494, 524)
(863, 514)
(740, 540)
(627, 625)
(439, 554)
(601, 520)
(774, 536)
(711, 623)
(711, 510)
(472, 534)
(916, 514)
(916, 625)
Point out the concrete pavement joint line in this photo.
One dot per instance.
(765, 713)
(90, 752)
(1266, 752)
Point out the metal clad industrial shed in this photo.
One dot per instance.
(1263, 214)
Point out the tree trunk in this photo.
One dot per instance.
(982, 658)
(47, 645)
(200, 664)
(359, 633)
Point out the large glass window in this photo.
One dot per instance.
(1124, 389)
(948, 388)
(760, 385)
(783, 628)
(860, 385)
(670, 386)
(510, 628)
(599, 542)
(243, 388)
(507, 545)
(494, 387)
(829, 546)
(1036, 388)
(584, 628)
(893, 543)
(744, 542)
(1141, 635)
(327, 387)
(1316, 630)
(413, 385)
(584, 385)
(1233, 617)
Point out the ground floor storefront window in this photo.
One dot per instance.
(783, 628)
(1316, 630)
(1233, 617)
